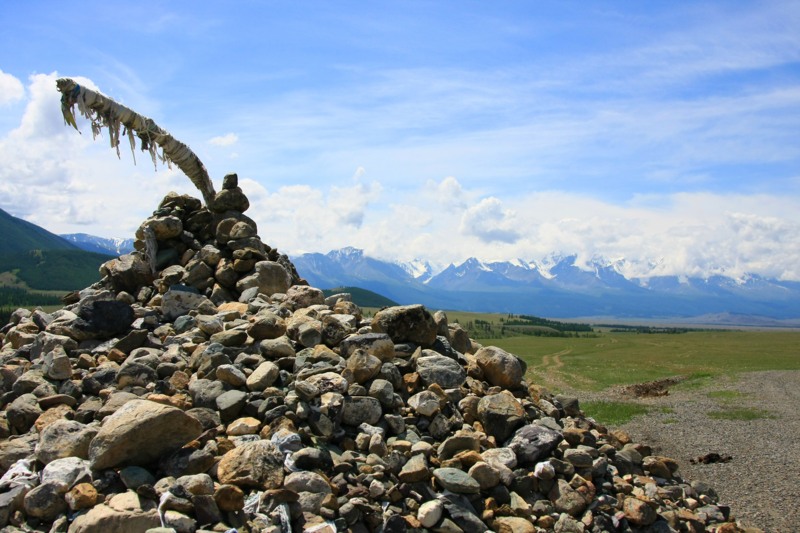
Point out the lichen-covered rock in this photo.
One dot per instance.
(256, 464)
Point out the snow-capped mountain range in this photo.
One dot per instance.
(100, 245)
(556, 287)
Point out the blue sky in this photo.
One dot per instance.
(662, 132)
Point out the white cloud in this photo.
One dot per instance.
(64, 181)
(11, 89)
(229, 139)
(489, 221)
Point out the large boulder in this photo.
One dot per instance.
(500, 368)
(127, 272)
(270, 277)
(141, 432)
(406, 323)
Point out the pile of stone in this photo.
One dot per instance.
(201, 385)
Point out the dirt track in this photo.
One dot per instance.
(760, 483)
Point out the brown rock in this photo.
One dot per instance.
(140, 432)
(124, 513)
(639, 512)
(256, 464)
(229, 498)
(500, 368)
(513, 524)
(82, 496)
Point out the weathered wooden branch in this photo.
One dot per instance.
(102, 112)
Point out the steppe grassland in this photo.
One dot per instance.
(596, 363)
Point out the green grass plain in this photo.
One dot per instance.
(614, 359)
(609, 359)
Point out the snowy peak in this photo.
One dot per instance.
(418, 269)
(558, 285)
(101, 245)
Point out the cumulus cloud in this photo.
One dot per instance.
(349, 204)
(11, 89)
(489, 221)
(64, 181)
(229, 139)
(448, 192)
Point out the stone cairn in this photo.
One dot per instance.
(202, 385)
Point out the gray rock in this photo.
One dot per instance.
(56, 364)
(231, 375)
(578, 458)
(360, 409)
(382, 390)
(179, 300)
(445, 372)
(23, 412)
(302, 296)
(45, 502)
(462, 513)
(456, 480)
(409, 323)
(566, 499)
(127, 273)
(532, 442)
(501, 414)
(204, 392)
(66, 473)
(570, 404)
(230, 404)
(134, 477)
(270, 278)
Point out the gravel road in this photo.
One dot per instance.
(761, 483)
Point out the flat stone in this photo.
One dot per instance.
(532, 442)
(456, 480)
(415, 470)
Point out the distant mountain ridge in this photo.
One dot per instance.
(18, 236)
(100, 245)
(556, 288)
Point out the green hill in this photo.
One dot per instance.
(33, 258)
(363, 297)
(53, 269)
(20, 236)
